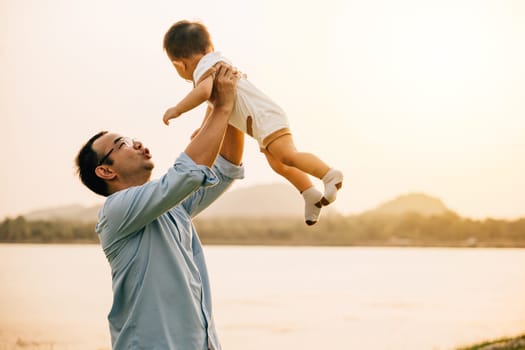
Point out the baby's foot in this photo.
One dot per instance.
(333, 181)
(312, 207)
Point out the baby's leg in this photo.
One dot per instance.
(283, 149)
(301, 181)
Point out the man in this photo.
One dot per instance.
(161, 291)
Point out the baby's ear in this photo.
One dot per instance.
(178, 64)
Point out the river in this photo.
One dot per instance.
(57, 297)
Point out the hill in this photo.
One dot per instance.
(268, 200)
(242, 217)
(411, 203)
(68, 212)
(260, 200)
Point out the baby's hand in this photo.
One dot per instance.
(171, 113)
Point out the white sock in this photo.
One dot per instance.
(312, 211)
(333, 180)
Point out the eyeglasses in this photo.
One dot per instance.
(121, 141)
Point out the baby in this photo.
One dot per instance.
(190, 49)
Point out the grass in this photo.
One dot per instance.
(515, 343)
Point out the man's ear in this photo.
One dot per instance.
(105, 172)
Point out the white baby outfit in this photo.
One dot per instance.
(254, 113)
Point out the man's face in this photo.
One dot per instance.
(132, 164)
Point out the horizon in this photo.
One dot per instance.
(375, 207)
(404, 97)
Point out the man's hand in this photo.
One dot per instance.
(224, 86)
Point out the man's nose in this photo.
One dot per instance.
(137, 144)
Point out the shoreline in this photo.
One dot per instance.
(284, 243)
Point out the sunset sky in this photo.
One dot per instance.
(403, 96)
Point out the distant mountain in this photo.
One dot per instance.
(411, 203)
(260, 200)
(68, 212)
(269, 200)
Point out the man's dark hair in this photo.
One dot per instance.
(185, 39)
(87, 161)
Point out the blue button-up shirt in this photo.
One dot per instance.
(161, 290)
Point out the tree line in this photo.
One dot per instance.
(409, 229)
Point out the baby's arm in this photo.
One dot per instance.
(197, 95)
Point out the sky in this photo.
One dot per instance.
(403, 96)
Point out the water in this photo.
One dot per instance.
(57, 297)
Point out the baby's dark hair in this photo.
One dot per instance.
(185, 39)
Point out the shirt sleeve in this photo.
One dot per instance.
(226, 172)
(127, 211)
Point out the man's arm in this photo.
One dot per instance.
(206, 116)
(127, 211)
(228, 168)
(233, 146)
(205, 146)
(194, 98)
